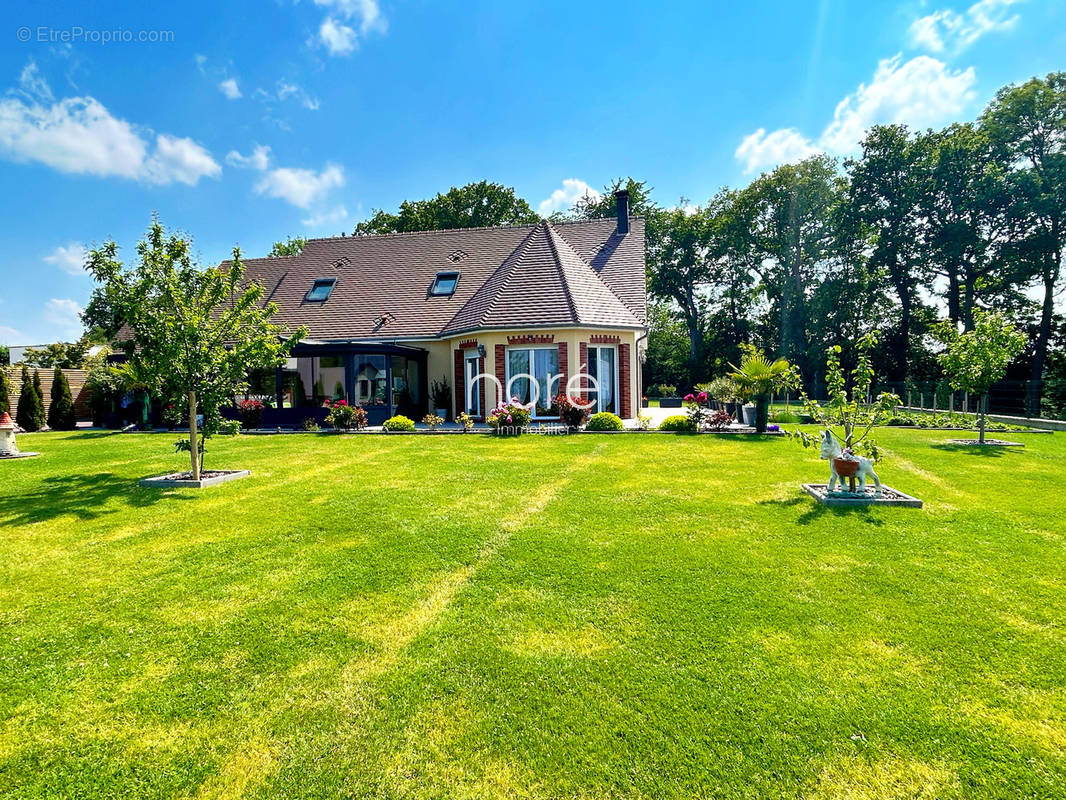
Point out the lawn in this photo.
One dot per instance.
(585, 616)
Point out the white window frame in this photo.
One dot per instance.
(473, 390)
(617, 399)
(530, 348)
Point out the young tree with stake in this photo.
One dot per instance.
(193, 334)
(974, 360)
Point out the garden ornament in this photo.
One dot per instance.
(7, 436)
(841, 462)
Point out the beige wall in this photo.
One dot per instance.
(441, 360)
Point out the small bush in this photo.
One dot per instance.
(786, 417)
(251, 412)
(466, 421)
(605, 421)
(344, 417)
(678, 424)
(310, 424)
(399, 423)
(509, 417)
(432, 421)
(572, 414)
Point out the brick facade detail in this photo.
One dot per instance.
(564, 367)
(530, 338)
(624, 374)
(603, 338)
(459, 396)
(501, 370)
(469, 344)
(583, 366)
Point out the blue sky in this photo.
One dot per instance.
(247, 122)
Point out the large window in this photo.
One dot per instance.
(542, 363)
(602, 366)
(370, 380)
(471, 385)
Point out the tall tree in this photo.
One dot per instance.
(5, 391)
(65, 355)
(195, 334)
(475, 205)
(605, 204)
(61, 414)
(784, 219)
(30, 412)
(1028, 122)
(887, 184)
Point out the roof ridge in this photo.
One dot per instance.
(594, 274)
(358, 236)
(513, 258)
(552, 234)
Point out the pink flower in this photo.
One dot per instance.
(701, 397)
(689, 398)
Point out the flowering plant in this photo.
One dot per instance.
(432, 421)
(510, 417)
(465, 420)
(571, 413)
(251, 412)
(697, 409)
(718, 420)
(345, 417)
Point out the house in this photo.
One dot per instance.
(511, 310)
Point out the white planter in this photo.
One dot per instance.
(442, 413)
(749, 414)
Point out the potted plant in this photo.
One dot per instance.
(759, 378)
(573, 415)
(441, 394)
(976, 359)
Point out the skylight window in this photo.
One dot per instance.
(320, 290)
(444, 284)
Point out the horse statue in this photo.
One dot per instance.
(831, 451)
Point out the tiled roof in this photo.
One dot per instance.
(576, 273)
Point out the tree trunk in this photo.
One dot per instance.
(194, 450)
(1036, 378)
(954, 312)
(968, 301)
(981, 418)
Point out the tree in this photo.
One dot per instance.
(5, 391)
(5, 356)
(475, 205)
(30, 412)
(605, 204)
(1028, 123)
(759, 377)
(887, 184)
(783, 225)
(667, 358)
(65, 355)
(61, 414)
(292, 246)
(977, 358)
(194, 333)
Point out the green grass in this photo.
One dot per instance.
(585, 616)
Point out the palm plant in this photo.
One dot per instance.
(760, 378)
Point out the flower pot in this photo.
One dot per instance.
(845, 468)
(441, 412)
(749, 415)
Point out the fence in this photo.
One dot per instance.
(75, 377)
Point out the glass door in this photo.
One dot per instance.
(602, 367)
(472, 386)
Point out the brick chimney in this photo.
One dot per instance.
(621, 199)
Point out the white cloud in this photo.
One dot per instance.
(948, 30)
(284, 91)
(330, 217)
(302, 188)
(784, 146)
(230, 88)
(341, 38)
(65, 317)
(33, 83)
(338, 38)
(258, 159)
(563, 199)
(79, 135)
(919, 93)
(9, 336)
(70, 259)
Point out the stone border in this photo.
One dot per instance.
(20, 454)
(988, 443)
(170, 482)
(819, 493)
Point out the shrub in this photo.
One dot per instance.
(441, 393)
(678, 423)
(5, 392)
(61, 416)
(718, 420)
(786, 416)
(662, 390)
(251, 412)
(643, 422)
(399, 423)
(30, 412)
(466, 421)
(605, 421)
(572, 414)
(433, 421)
(509, 417)
(344, 417)
(310, 424)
